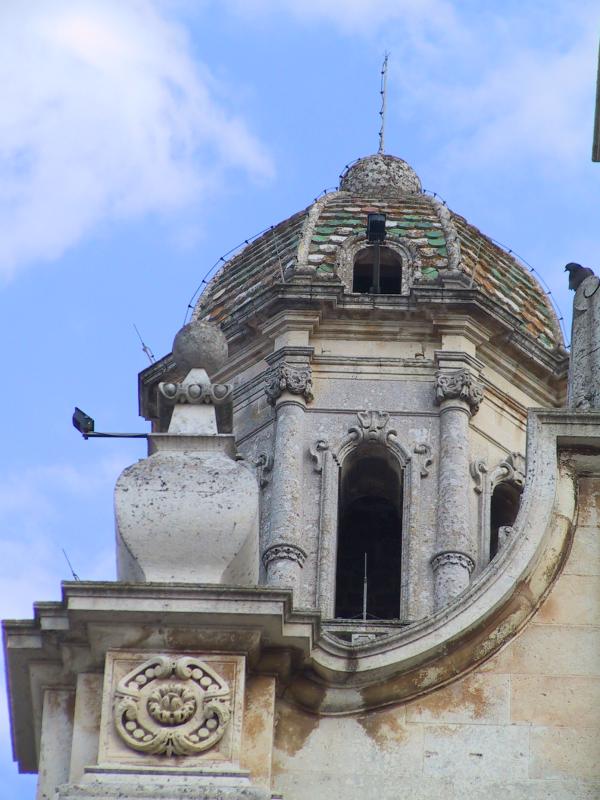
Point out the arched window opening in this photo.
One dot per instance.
(504, 508)
(390, 271)
(369, 523)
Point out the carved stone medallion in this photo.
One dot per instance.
(172, 707)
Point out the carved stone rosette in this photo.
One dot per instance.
(287, 552)
(285, 378)
(172, 707)
(459, 385)
(196, 393)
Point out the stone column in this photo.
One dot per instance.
(459, 396)
(288, 389)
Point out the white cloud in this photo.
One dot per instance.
(512, 97)
(488, 83)
(105, 115)
(41, 509)
(363, 17)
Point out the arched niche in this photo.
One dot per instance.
(504, 507)
(400, 265)
(499, 491)
(369, 445)
(369, 539)
(364, 268)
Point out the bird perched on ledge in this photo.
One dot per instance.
(577, 274)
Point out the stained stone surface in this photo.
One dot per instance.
(188, 513)
(584, 369)
(381, 176)
(200, 345)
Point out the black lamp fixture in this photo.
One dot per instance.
(85, 425)
(375, 228)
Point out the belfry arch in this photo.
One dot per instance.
(369, 540)
(368, 475)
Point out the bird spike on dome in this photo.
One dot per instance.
(380, 175)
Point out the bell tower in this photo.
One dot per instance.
(361, 486)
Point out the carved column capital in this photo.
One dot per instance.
(284, 551)
(454, 559)
(459, 385)
(287, 378)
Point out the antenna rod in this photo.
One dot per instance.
(145, 347)
(383, 93)
(73, 573)
(365, 592)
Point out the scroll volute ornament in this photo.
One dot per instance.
(172, 707)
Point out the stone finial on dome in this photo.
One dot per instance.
(380, 175)
(200, 345)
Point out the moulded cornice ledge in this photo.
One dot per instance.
(434, 651)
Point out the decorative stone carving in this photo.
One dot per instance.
(316, 453)
(478, 469)
(459, 385)
(450, 233)
(406, 251)
(264, 465)
(504, 534)
(196, 393)
(286, 552)
(371, 427)
(285, 378)
(451, 572)
(424, 450)
(453, 559)
(512, 470)
(172, 707)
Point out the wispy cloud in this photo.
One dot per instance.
(36, 505)
(488, 84)
(105, 115)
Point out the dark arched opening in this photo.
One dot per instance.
(369, 523)
(390, 271)
(504, 507)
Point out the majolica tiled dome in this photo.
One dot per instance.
(442, 240)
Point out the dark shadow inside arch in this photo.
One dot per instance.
(504, 507)
(369, 523)
(390, 280)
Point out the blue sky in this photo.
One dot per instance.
(140, 140)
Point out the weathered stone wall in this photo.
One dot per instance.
(524, 726)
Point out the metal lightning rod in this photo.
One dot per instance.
(383, 93)
(365, 592)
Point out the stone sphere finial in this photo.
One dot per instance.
(200, 345)
(380, 175)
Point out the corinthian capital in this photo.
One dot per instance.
(285, 378)
(459, 385)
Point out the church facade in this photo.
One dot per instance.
(362, 558)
